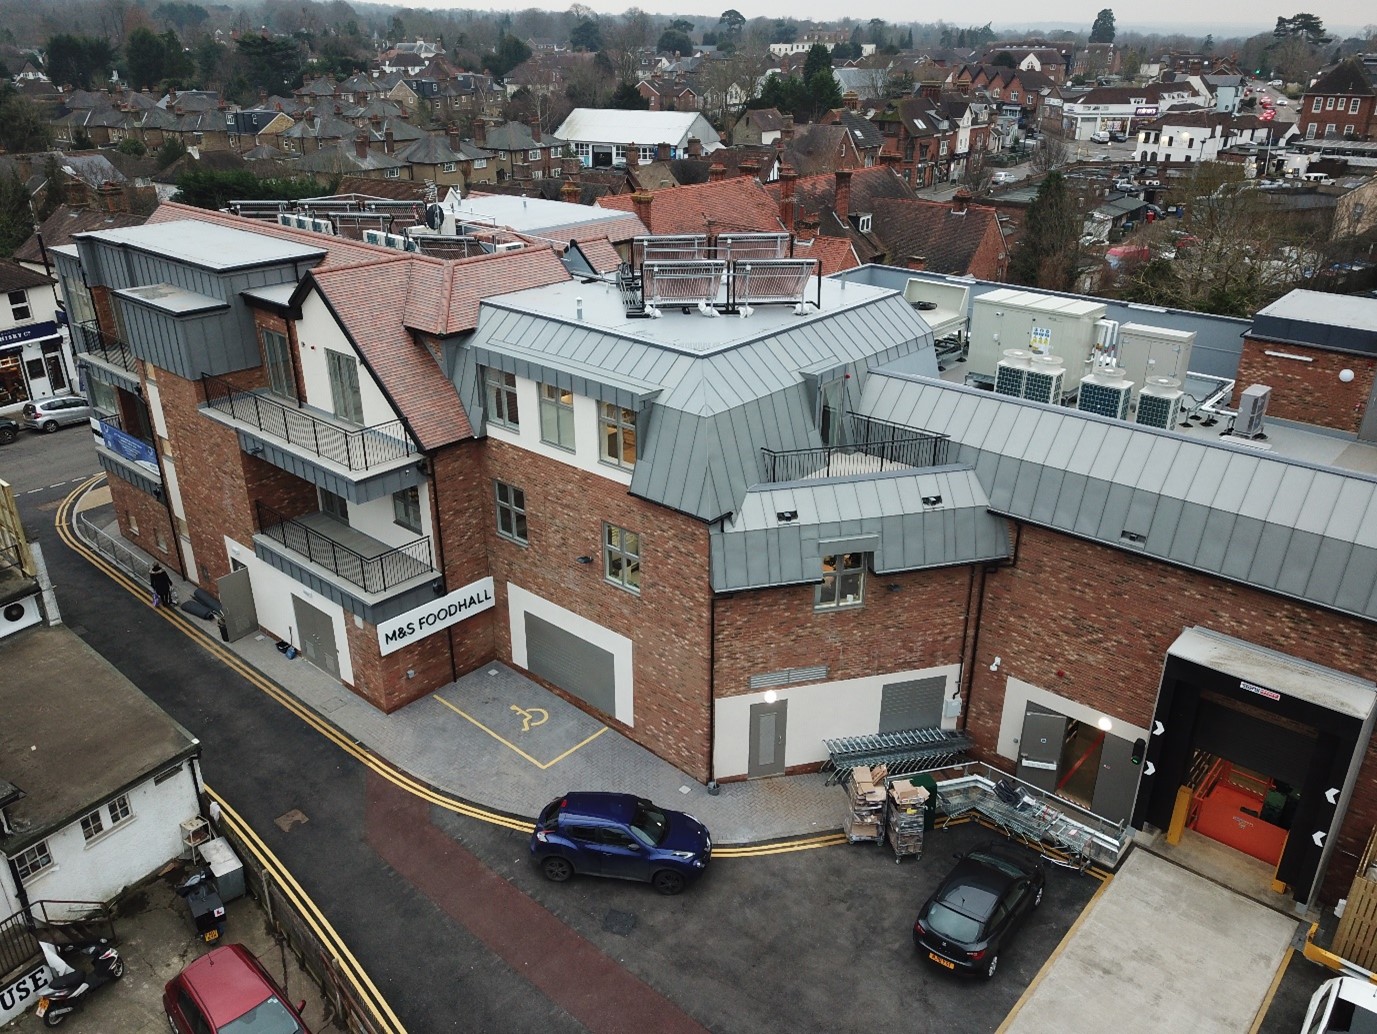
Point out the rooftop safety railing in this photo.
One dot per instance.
(875, 446)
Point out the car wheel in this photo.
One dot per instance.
(667, 881)
(50, 426)
(557, 869)
(1037, 898)
(991, 966)
(7, 435)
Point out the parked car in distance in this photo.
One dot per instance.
(50, 414)
(228, 990)
(1100, 136)
(1002, 176)
(9, 430)
(1117, 136)
(622, 836)
(1275, 82)
(1342, 1004)
(972, 915)
(1126, 187)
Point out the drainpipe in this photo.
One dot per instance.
(968, 670)
(436, 533)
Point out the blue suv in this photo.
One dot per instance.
(622, 836)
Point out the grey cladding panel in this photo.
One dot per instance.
(915, 704)
(1161, 532)
(1114, 519)
(1360, 574)
(573, 664)
(1298, 562)
(1190, 529)
(1330, 563)
(1272, 546)
(1073, 489)
(1044, 505)
(1093, 502)
(1214, 540)
(1242, 548)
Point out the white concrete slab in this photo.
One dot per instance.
(1161, 949)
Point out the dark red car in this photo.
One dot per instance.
(226, 991)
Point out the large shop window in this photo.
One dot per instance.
(501, 396)
(621, 550)
(843, 581)
(557, 416)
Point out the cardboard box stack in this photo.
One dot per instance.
(905, 818)
(865, 811)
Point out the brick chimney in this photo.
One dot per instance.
(806, 228)
(535, 132)
(452, 137)
(750, 167)
(960, 201)
(262, 97)
(633, 155)
(110, 197)
(389, 143)
(917, 262)
(716, 171)
(695, 147)
(361, 145)
(787, 178)
(570, 192)
(662, 152)
(842, 204)
(572, 168)
(787, 132)
(480, 132)
(641, 200)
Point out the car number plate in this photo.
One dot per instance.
(42, 1008)
(941, 961)
(211, 935)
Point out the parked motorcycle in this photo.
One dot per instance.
(72, 985)
(202, 896)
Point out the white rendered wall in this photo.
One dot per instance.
(318, 332)
(377, 517)
(1018, 695)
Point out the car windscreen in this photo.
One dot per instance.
(270, 1017)
(995, 862)
(650, 823)
(953, 925)
(549, 816)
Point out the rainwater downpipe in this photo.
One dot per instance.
(968, 671)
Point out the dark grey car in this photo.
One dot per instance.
(50, 414)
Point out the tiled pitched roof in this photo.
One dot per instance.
(740, 204)
(817, 148)
(65, 221)
(948, 241)
(14, 277)
(1347, 77)
(442, 297)
(814, 194)
(600, 254)
(836, 254)
(372, 186)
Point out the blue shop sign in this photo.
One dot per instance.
(28, 332)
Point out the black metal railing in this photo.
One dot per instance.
(886, 446)
(59, 922)
(370, 573)
(353, 449)
(89, 338)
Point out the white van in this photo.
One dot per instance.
(1100, 137)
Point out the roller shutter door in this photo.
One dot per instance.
(573, 664)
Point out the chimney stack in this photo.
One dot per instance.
(787, 133)
(480, 132)
(918, 262)
(633, 155)
(535, 132)
(389, 143)
(750, 167)
(695, 147)
(960, 201)
(641, 201)
(716, 171)
(806, 228)
(787, 177)
(842, 204)
(570, 192)
(361, 145)
(662, 152)
(571, 168)
(452, 137)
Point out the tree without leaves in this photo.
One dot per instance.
(1051, 153)
(16, 218)
(1103, 29)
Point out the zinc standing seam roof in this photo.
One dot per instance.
(1303, 531)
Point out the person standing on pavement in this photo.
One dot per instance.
(161, 583)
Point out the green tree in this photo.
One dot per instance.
(627, 98)
(680, 25)
(215, 188)
(16, 218)
(510, 52)
(209, 56)
(1004, 60)
(144, 58)
(823, 93)
(132, 145)
(54, 188)
(267, 64)
(1103, 29)
(1049, 253)
(731, 22)
(1306, 26)
(819, 59)
(181, 16)
(23, 127)
(586, 35)
(79, 60)
(171, 150)
(672, 41)
(784, 32)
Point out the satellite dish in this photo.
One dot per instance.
(435, 216)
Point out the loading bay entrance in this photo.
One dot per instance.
(1267, 745)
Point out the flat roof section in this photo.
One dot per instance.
(76, 731)
(531, 214)
(1341, 322)
(207, 245)
(173, 300)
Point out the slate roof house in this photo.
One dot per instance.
(734, 510)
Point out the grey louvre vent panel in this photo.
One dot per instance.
(914, 704)
(573, 664)
(789, 676)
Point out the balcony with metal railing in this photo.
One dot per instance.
(359, 450)
(90, 340)
(345, 552)
(875, 446)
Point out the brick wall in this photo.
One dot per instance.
(1309, 392)
(461, 509)
(668, 622)
(1094, 624)
(383, 681)
(917, 625)
(151, 516)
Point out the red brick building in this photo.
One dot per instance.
(1340, 104)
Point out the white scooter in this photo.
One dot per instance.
(70, 987)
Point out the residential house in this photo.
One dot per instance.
(919, 141)
(1122, 108)
(954, 237)
(35, 361)
(1051, 62)
(1340, 103)
(406, 57)
(760, 126)
(436, 158)
(351, 158)
(725, 205)
(518, 151)
(600, 137)
(816, 147)
(1199, 136)
(842, 205)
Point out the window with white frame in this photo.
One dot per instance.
(648, 154)
(97, 822)
(511, 513)
(480, 163)
(19, 306)
(501, 395)
(277, 359)
(449, 167)
(584, 150)
(392, 174)
(863, 223)
(843, 581)
(1350, 130)
(1329, 104)
(1330, 129)
(33, 860)
(557, 416)
(618, 435)
(406, 508)
(1353, 105)
(533, 155)
(1317, 104)
(621, 555)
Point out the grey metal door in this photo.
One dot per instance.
(766, 754)
(573, 664)
(315, 636)
(236, 600)
(916, 704)
(1039, 747)
(1117, 784)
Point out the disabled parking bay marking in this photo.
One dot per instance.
(528, 723)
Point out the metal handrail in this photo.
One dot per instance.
(372, 574)
(915, 449)
(91, 340)
(357, 449)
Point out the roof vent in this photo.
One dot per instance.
(578, 309)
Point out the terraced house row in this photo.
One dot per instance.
(735, 509)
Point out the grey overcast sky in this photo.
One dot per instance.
(1192, 17)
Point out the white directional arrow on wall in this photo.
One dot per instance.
(1158, 728)
(1149, 768)
(1319, 838)
(1332, 794)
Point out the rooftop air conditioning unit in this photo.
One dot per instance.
(1252, 407)
(1044, 380)
(1159, 403)
(1011, 372)
(509, 246)
(1107, 393)
(377, 237)
(20, 614)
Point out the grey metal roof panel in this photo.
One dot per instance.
(1360, 575)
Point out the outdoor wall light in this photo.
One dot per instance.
(771, 696)
(1346, 376)
(994, 666)
(1104, 723)
(583, 559)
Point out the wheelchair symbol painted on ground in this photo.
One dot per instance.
(531, 717)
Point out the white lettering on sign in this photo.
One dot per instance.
(1270, 694)
(462, 603)
(15, 997)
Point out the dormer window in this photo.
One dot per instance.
(863, 223)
